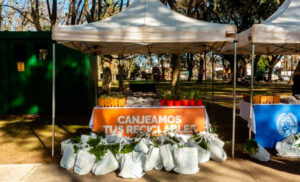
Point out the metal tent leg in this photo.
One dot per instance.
(251, 89)
(53, 99)
(234, 100)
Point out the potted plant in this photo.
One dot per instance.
(192, 101)
(162, 99)
(177, 101)
(198, 98)
(115, 101)
(102, 101)
(170, 101)
(250, 147)
(184, 100)
(122, 100)
(267, 98)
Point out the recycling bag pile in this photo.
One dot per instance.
(289, 147)
(101, 154)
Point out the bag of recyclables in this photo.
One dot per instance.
(69, 156)
(153, 159)
(84, 162)
(289, 147)
(131, 165)
(262, 154)
(185, 160)
(107, 165)
(256, 151)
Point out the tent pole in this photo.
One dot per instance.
(53, 98)
(251, 89)
(212, 75)
(234, 100)
(205, 74)
(96, 79)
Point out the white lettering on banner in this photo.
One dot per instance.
(131, 124)
(119, 119)
(178, 119)
(129, 129)
(154, 119)
(186, 128)
(162, 119)
(147, 119)
(171, 119)
(106, 127)
(133, 128)
(128, 120)
(135, 119)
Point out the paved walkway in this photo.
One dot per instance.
(230, 170)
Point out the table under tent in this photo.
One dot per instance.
(145, 27)
(277, 35)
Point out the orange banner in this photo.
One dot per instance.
(128, 120)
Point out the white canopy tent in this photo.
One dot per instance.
(278, 35)
(146, 26)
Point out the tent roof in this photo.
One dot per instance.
(145, 26)
(279, 34)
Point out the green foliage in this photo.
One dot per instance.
(99, 151)
(76, 148)
(94, 141)
(169, 96)
(127, 148)
(250, 147)
(114, 148)
(192, 94)
(155, 140)
(183, 96)
(162, 95)
(269, 93)
(177, 96)
(120, 96)
(262, 64)
(198, 95)
(76, 140)
(200, 140)
(213, 129)
(105, 96)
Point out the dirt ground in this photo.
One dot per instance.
(27, 139)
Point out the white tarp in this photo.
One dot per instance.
(279, 34)
(146, 26)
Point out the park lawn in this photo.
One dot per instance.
(28, 140)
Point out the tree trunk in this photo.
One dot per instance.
(162, 69)
(201, 70)
(245, 69)
(112, 68)
(52, 15)
(107, 78)
(121, 71)
(292, 77)
(273, 60)
(190, 66)
(175, 61)
(271, 67)
(151, 66)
